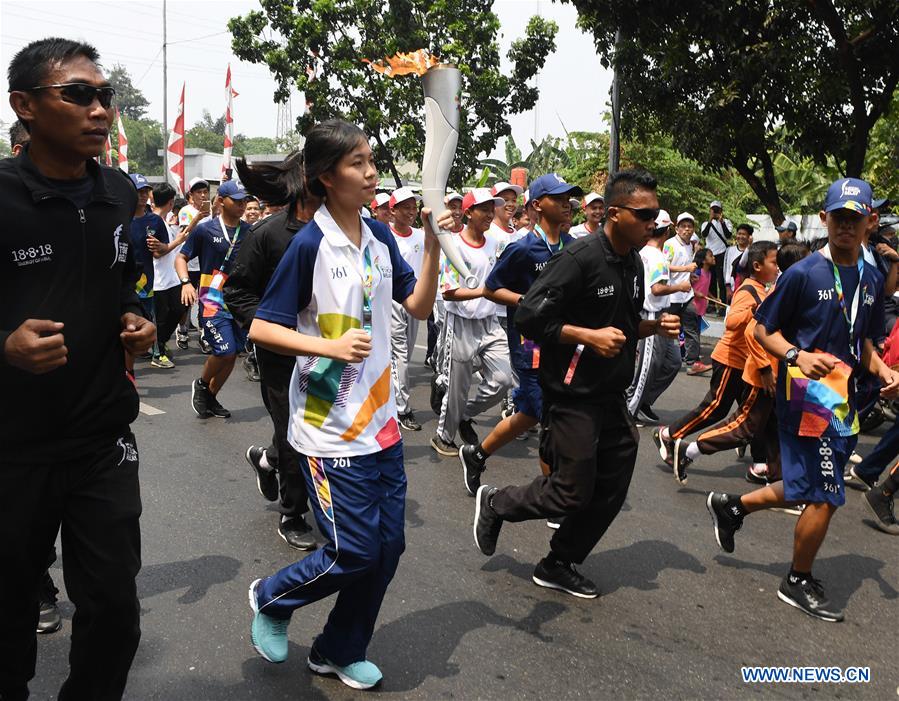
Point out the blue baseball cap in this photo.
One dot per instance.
(848, 193)
(552, 184)
(140, 182)
(231, 189)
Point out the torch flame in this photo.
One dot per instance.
(417, 62)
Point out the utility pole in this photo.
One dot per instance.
(165, 96)
(614, 150)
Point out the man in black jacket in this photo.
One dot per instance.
(584, 311)
(277, 467)
(69, 314)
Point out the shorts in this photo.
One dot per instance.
(223, 335)
(528, 397)
(813, 467)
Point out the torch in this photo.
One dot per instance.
(442, 85)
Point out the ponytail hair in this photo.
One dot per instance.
(297, 176)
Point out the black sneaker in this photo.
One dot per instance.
(665, 446)
(808, 595)
(181, 339)
(266, 477)
(49, 620)
(467, 432)
(471, 468)
(297, 533)
(646, 413)
(199, 398)
(564, 577)
(217, 409)
(408, 422)
(487, 522)
(251, 367)
(205, 348)
(681, 462)
(724, 520)
(449, 449)
(881, 505)
(437, 392)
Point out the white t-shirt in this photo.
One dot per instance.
(655, 270)
(164, 275)
(679, 254)
(715, 243)
(579, 231)
(339, 409)
(503, 238)
(731, 255)
(412, 247)
(480, 260)
(185, 217)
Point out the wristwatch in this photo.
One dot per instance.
(791, 355)
(185, 280)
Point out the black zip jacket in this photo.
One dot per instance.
(62, 263)
(256, 261)
(586, 284)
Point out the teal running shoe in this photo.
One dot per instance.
(357, 675)
(269, 635)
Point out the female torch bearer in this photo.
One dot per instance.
(442, 85)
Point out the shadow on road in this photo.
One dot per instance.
(197, 576)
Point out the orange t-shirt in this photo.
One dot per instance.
(732, 350)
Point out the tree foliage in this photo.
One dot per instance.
(720, 77)
(546, 157)
(318, 46)
(130, 101)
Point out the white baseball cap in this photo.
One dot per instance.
(480, 195)
(401, 194)
(575, 203)
(450, 196)
(502, 186)
(197, 181)
(380, 200)
(592, 197)
(664, 219)
(685, 215)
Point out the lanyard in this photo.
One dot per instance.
(542, 234)
(231, 242)
(849, 315)
(367, 279)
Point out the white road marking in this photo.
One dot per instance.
(150, 410)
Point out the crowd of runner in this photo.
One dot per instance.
(320, 281)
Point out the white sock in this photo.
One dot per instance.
(263, 461)
(759, 467)
(693, 451)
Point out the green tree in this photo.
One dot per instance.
(545, 157)
(323, 44)
(883, 156)
(144, 143)
(130, 101)
(248, 145)
(722, 75)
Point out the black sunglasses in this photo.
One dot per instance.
(645, 214)
(82, 94)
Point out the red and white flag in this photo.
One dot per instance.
(229, 123)
(175, 149)
(123, 142)
(107, 150)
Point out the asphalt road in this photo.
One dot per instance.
(676, 616)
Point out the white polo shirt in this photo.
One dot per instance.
(480, 260)
(412, 247)
(339, 409)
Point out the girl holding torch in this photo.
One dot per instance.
(329, 304)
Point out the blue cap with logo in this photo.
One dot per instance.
(552, 184)
(140, 182)
(849, 193)
(231, 189)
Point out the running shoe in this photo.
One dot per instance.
(681, 462)
(162, 361)
(665, 446)
(724, 519)
(757, 473)
(564, 577)
(854, 480)
(217, 409)
(554, 522)
(181, 339)
(808, 596)
(487, 523)
(268, 634)
(251, 367)
(646, 415)
(408, 422)
(49, 619)
(467, 432)
(740, 450)
(471, 468)
(855, 458)
(199, 398)
(266, 477)
(447, 448)
(205, 348)
(881, 505)
(297, 533)
(437, 392)
(356, 675)
(698, 368)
